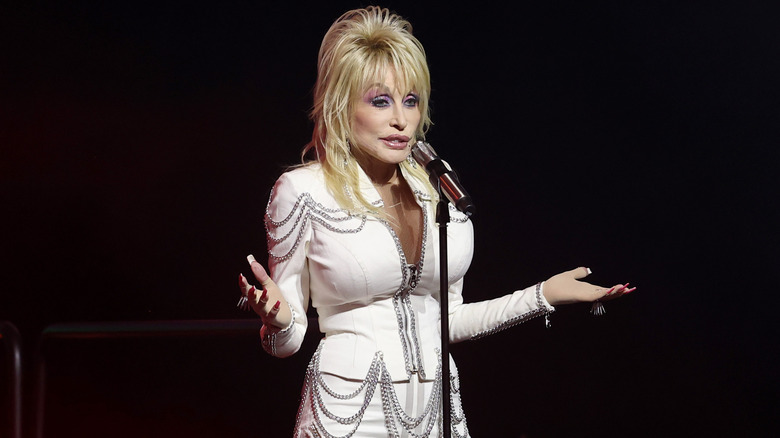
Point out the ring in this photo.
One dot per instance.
(597, 309)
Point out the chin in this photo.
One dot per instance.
(398, 157)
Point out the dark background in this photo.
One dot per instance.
(140, 140)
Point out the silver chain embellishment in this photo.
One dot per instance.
(394, 412)
(402, 303)
(520, 318)
(304, 210)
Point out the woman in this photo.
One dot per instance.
(352, 232)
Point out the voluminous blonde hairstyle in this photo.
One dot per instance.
(358, 50)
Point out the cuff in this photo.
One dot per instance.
(270, 336)
(541, 300)
(543, 304)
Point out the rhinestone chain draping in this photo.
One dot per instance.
(542, 310)
(304, 210)
(402, 304)
(396, 418)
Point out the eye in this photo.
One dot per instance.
(381, 101)
(412, 100)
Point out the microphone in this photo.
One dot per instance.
(442, 176)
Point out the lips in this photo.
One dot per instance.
(396, 141)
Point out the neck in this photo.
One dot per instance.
(381, 182)
(380, 174)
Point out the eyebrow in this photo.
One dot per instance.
(385, 89)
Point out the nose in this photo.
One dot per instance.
(399, 118)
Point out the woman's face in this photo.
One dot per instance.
(385, 121)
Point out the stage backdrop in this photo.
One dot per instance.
(140, 141)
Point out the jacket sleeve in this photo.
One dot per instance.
(483, 318)
(288, 231)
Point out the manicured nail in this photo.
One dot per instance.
(250, 258)
(276, 306)
(610, 290)
(589, 271)
(629, 291)
(263, 297)
(251, 291)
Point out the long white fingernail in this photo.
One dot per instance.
(589, 271)
(250, 258)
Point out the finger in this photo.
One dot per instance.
(617, 291)
(251, 295)
(598, 292)
(243, 284)
(626, 289)
(270, 317)
(259, 301)
(258, 270)
(608, 293)
(620, 290)
(580, 272)
(262, 304)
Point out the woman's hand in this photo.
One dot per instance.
(565, 288)
(267, 302)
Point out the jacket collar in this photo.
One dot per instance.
(371, 194)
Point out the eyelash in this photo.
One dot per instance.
(382, 101)
(413, 98)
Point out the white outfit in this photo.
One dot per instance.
(379, 314)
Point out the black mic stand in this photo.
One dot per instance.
(442, 219)
(440, 174)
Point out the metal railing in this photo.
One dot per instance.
(125, 330)
(11, 340)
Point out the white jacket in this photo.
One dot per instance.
(353, 270)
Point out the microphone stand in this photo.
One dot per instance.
(442, 219)
(441, 175)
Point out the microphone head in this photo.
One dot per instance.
(443, 177)
(423, 153)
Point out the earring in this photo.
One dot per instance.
(349, 152)
(412, 162)
(597, 309)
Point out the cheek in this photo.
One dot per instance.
(357, 126)
(362, 122)
(415, 117)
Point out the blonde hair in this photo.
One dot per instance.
(358, 49)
